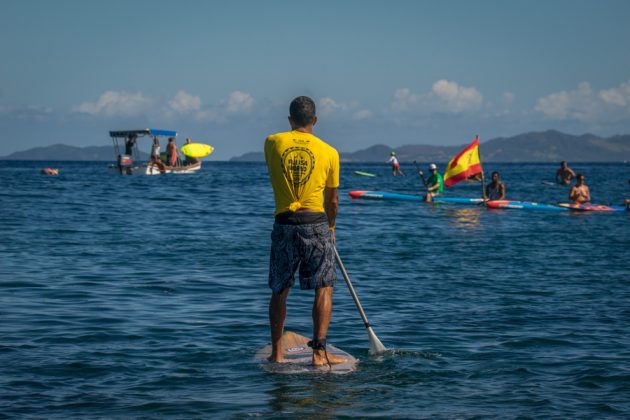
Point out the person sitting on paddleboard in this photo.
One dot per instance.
(579, 194)
(496, 189)
(395, 165)
(564, 175)
(435, 183)
(304, 174)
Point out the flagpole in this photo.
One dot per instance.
(483, 177)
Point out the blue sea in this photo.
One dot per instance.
(146, 297)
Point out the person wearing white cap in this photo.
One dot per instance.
(395, 165)
(435, 183)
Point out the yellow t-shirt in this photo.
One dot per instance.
(300, 167)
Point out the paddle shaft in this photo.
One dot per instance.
(352, 292)
(424, 182)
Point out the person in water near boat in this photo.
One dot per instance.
(171, 152)
(395, 164)
(564, 174)
(496, 189)
(304, 174)
(190, 160)
(435, 183)
(155, 155)
(579, 194)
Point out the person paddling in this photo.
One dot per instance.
(304, 174)
(435, 183)
(395, 164)
(494, 190)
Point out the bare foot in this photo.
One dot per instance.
(319, 358)
(275, 358)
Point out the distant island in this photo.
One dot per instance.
(63, 152)
(547, 146)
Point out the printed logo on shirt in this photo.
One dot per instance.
(297, 165)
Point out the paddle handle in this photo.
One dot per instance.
(352, 292)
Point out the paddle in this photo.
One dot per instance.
(421, 175)
(376, 346)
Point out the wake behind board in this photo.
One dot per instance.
(364, 173)
(591, 207)
(298, 356)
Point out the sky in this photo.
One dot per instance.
(380, 72)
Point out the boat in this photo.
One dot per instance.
(128, 158)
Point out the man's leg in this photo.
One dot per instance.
(277, 315)
(322, 312)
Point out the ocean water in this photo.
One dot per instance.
(127, 297)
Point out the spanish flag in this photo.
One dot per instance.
(465, 164)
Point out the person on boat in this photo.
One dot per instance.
(579, 194)
(395, 164)
(130, 142)
(304, 175)
(564, 174)
(155, 155)
(190, 160)
(435, 183)
(494, 190)
(171, 152)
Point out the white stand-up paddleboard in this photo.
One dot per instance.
(298, 357)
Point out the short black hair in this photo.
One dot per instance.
(302, 110)
(495, 172)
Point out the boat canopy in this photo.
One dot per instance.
(143, 132)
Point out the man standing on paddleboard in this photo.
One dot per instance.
(304, 174)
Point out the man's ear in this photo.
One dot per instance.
(314, 120)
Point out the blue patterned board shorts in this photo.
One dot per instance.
(308, 246)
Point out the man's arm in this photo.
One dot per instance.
(502, 191)
(331, 206)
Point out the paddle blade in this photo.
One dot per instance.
(376, 347)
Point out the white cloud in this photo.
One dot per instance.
(29, 112)
(112, 103)
(444, 96)
(329, 106)
(363, 114)
(457, 98)
(240, 102)
(619, 96)
(183, 102)
(586, 105)
(508, 98)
